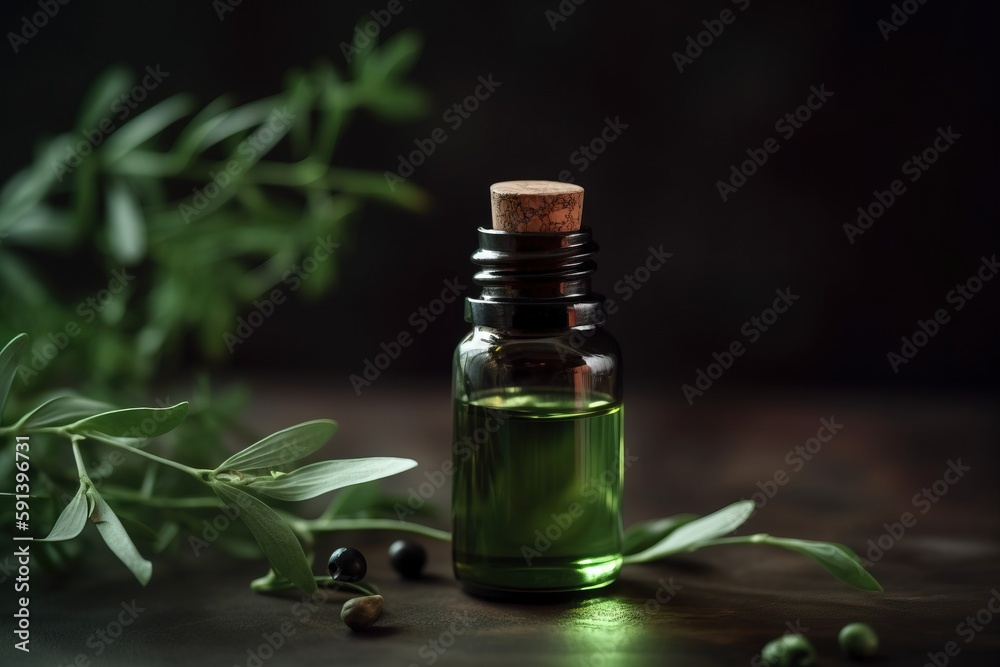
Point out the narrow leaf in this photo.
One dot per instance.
(275, 538)
(400, 53)
(838, 559)
(126, 226)
(234, 121)
(117, 539)
(22, 282)
(708, 527)
(132, 422)
(43, 227)
(63, 410)
(10, 356)
(290, 444)
(72, 519)
(642, 536)
(101, 95)
(353, 499)
(318, 478)
(145, 126)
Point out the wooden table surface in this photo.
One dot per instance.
(715, 607)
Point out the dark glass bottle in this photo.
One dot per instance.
(537, 487)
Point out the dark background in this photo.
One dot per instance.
(656, 184)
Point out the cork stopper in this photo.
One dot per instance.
(536, 206)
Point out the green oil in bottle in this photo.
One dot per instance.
(537, 492)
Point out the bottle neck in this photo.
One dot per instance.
(534, 281)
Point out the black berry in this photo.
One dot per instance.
(407, 558)
(347, 564)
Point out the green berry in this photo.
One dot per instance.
(361, 613)
(792, 650)
(858, 641)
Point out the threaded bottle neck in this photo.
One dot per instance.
(534, 280)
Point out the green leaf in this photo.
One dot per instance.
(396, 103)
(361, 54)
(10, 356)
(145, 126)
(63, 410)
(22, 282)
(319, 478)
(290, 444)
(642, 536)
(132, 423)
(72, 520)
(117, 538)
(227, 123)
(26, 189)
(275, 538)
(42, 227)
(353, 499)
(400, 53)
(199, 127)
(126, 226)
(838, 559)
(111, 84)
(707, 527)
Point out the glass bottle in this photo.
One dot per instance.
(537, 456)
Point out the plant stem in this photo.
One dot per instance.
(168, 503)
(320, 525)
(194, 472)
(79, 459)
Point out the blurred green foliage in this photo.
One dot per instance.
(123, 250)
(139, 243)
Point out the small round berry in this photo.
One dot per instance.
(791, 650)
(858, 641)
(347, 564)
(407, 558)
(361, 613)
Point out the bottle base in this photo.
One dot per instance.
(516, 582)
